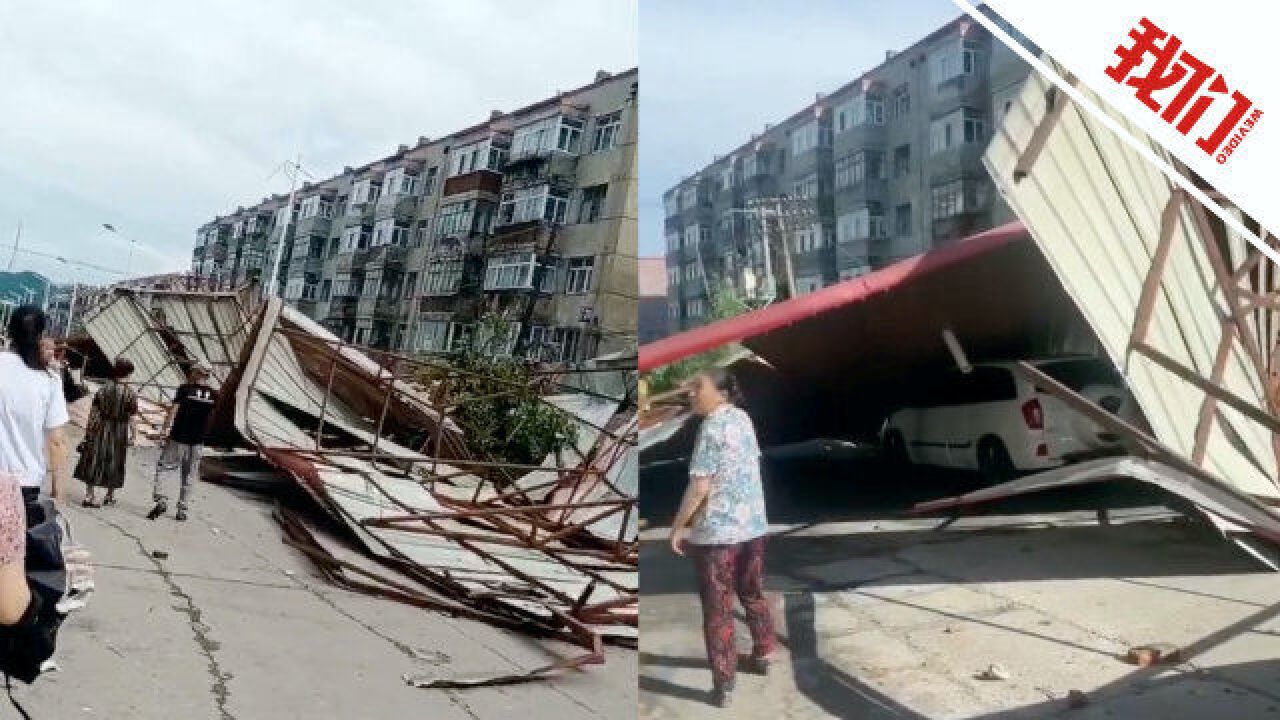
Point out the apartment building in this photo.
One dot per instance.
(883, 168)
(529, 216)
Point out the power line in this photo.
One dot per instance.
(60, 259)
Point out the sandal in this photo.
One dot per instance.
(89, 504)
(109, 500)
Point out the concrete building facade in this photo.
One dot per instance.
(883, 168)
(529, 216)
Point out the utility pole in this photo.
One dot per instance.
(17, 238)
(295, 169)
(71, 309)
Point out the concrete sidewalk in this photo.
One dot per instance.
(891, 619)
(234, 624)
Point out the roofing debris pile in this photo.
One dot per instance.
(548, 549)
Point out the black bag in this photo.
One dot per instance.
(25, 646)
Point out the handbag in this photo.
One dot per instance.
(26, 645)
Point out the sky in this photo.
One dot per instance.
(715, 71)
(154, 116)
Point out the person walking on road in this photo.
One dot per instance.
(187, 422)
(106, 439)
(32, 413)
(721, 523)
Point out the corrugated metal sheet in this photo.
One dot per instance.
(123, 328)
(1094, 208)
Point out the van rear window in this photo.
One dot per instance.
(1076, 374)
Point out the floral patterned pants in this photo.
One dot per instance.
(725, 571)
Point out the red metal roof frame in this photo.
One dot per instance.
(701, 339)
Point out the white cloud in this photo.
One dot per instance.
(156, 116)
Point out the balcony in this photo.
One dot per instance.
(386, 255)
(359, 214)
(353, 259)
(314, 225)
(343, 307)
(400, 206)
(486, 181)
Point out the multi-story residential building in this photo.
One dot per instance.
(885, 167)
(529, 215)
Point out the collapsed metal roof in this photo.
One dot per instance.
(548, 549)
(1185, 312)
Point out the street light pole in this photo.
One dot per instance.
(128, 268)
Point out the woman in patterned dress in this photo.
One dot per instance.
(106, 439)
(721, 523)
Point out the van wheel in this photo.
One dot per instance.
(895, 449)
(993, 460)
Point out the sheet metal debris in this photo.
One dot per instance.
(547, 549)
(1186, 311)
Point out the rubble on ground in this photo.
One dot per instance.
(372, 438)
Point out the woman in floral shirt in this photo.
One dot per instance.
(722, 525)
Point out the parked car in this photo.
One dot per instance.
(994, 420)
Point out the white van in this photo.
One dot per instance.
(994, 420)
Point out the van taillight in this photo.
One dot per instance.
(1033, 414)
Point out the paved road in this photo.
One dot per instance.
(234, 624)
(887, 617)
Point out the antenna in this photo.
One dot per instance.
(17, 238)
(293, 170)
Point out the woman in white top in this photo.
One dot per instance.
(32, 413)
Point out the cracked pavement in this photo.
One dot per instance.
(234, 625)
(887, 617)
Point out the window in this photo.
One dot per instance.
(696, 235)
(673, 241)
(862, 110)
(580, 272)
(461, 336)
(354, 238)
(751, 166)
(694, 308)
(551, 134)
(959, 59)
(901, 102)
(902, 221)
(957, 197)
(533, 203)
(806, 188)
(363, 191)
(608, 128)
(592, 203)
(673, 276)
(433, 336)
(809, 239)
(726, 176)
(973, 126)
(454, 219)
(671, 201)
(509, 272)
(692, 271)
(804, 138)
(421, 234)
(860, 166)
(689, 195)
(326, 288)
(399, 182)
(964, 125)
(443, 277)
(484, 155)
(862, 224)
(901, 161)
(429, 180)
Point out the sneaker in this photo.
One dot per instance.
(181, 516)
(160, 509)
